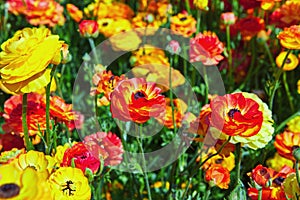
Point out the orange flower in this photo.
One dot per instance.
(183, 24)
(41, 12)
(74, 12)
(179, 109)
(88, 28)
(261, 175)
(240, 115)
(268, 4)
(206, 48)
(290, 37)
(143, 20)
(105, 83)
(218, 175)
(286, 142)
(109, 27)
(136, 100)
(272, 193)
(250, 26)
(287, 15)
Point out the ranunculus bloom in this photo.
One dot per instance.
(228, 18)
(69, 183)
(26, 72)
(146, 20)
(183, 24)
(294, 124)
(82, 157)
(250, 26)
(206, 48)
(109, 27)
(287, 15)
(291, 62)
(268, 4)
(126, 41)
(218, 175)
(88, 28)
(277, 162)
(41, 12)
(136, 100)
(290, 37)
(286, 142)
(105, 82)
(291, 186)
(261, 175)
(201, 4)
(9, 141)
(74, 12)
(107, 145)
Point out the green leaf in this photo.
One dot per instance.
(238, 192)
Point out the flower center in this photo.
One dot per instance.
(288, 61)
(9, 190)
(183, 19)
(232, 112)
(68, 188)
(279, 180)
(138, 95)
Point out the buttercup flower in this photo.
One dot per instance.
(82, 158)
(218, 175)
(291, 186)
(58, 155)
(227, 162)
(201, 4)
(74, 12)
(268, 4)
(88, 28)
(286, 142)
(109, 27)
(183, 24)
(26, 72)
(294, 124)
(291, 62)
(126, 41)
(290, 37)
(250, 26)
(287, 15)
(206, 48)
(69, 183)
(261, 175)
(277, 162)
(146, 20)
(136, 100)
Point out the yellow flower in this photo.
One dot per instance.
(25, 57)
(126, 41)
(201, 4)
(183, 24)
(277, 162)
(291, 186)
(17, 184)
(294, 124)
(227, 162)
(291, 62)
(8, 156)
(290, 37)
(59, 154)
(69, 183)
(109, 27)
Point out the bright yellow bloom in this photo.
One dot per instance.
(277, 162)
(127, 41)
(291, 62)
(291, 186)
(109, 27)
(294, 124)
(17, 184)
(8, 156)
(183, 24)
(290, 37)
(69, 183)
(201, 4)
(59, 154)
(25, 57)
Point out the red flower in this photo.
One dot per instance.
(241, 116)
(9, 141)
(250, 26)
(82, 157)
(206, 48)
(261, 175)
(286, 142)
(108, 145)
(136, 100)
(88, 28)
(218, 175)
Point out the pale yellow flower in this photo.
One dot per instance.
(294, 124)
(277, 162)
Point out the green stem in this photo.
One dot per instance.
(288, 93)
(297, 172)
(239, 160)
(187, 6)
(198, 21)
(269, 54)
(277, 77)
(171, 95)
(28, 143)
(260, 194)
(206, 85)
(207, 194)
(95, 53)
(282, 124)
(230, 67)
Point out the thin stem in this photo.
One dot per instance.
(269, 54)
(239, 160)
(230, 67)
(288, 93)
(171, 95)
(198, 21)
(206, 85)
(28, 143)
(297, 172)
(187, 6)
(282, 125)
(187, 188)
(95, 53)
(259, 194)
(207, 194)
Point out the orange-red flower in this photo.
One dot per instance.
(88, 28)
(136, 100)
(250, 26)
(218, 175)
(81, 157)
(183, 24)
(105, 82)
(290, 37)
(287, 15)
(261, 175)
(286, 142)
(41, 12)
(272, 193)
(206, 48)
(9, 141)
(107, 145)
(74, 12)
(240, 115)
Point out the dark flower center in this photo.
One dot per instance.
(68, 188)
(183, 19)
(232, 112)
(295, 147)
(288, 61)
(219, 161)
(105, 24)
(279, 180)
(9, 190)
(138, 95)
